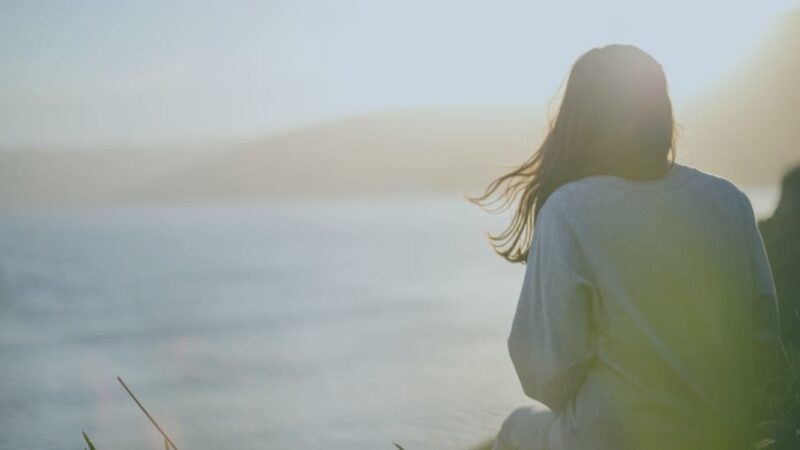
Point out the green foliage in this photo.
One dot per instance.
(88, 441)
(778, 405)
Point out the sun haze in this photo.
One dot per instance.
(94, 74)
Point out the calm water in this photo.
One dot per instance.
(336, 325)
(347, 324)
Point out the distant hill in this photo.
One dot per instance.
(412, 151)
(35, 177)
(745, 128)
(396, 152)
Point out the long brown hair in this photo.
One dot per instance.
(615, 118)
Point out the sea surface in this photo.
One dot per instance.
(328, 324)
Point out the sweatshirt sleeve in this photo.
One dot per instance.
(550, 341)
(766, 324)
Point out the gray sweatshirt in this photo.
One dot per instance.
(646, 314)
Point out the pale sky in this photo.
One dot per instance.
(103, 73)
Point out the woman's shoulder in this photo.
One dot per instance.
(680, 176)
(722, 188)
(598, 192)
(717, 181)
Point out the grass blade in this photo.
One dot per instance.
(153, 421)
(88, 441)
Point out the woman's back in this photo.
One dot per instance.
(647, 306)
(639, 310)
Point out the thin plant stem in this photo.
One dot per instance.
(167, 440)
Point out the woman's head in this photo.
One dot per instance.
(615, 118)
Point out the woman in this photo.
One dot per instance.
(648, 311)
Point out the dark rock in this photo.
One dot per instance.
(780, 419)
(781, 234)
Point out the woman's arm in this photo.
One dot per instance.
(550, 341)
(766, 323)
